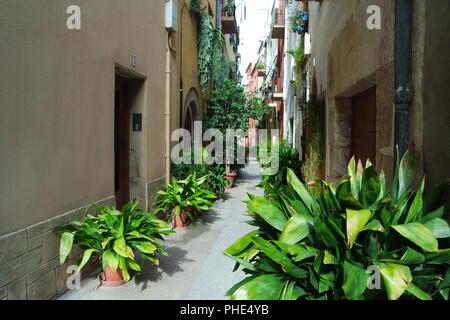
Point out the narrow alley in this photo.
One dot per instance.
(197, 269)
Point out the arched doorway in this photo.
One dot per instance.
(191, 110)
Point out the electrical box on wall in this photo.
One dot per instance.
(171, 16)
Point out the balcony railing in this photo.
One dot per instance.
(228, 17)
(278, 27)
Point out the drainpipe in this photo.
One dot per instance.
(169, 51)
(218, 12)
(403, 74)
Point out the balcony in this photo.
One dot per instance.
(228, 17)
(277, 97)
(278, 27)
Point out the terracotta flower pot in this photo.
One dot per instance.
(111, 278)
(231, 176)
(180, 221)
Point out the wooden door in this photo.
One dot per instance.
(364, 113)
(121, 144)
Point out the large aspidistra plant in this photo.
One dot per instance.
(115, 236)
(182, 196)
(332, 246)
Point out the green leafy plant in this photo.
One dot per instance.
(227, 110)
(197, 7)
(288, 158)
(321, 247)
(230, 7)
(258, 110)
(205, 50)
(217, 55)
(114, 236)
(214, 173)
(184, 196)
(296, 19)
(260, 67)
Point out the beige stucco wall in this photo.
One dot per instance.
(348, 58)
(57, 102)
(187, 46)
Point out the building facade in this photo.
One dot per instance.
(86, 118)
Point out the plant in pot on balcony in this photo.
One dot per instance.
(114, 236)
(182, 199)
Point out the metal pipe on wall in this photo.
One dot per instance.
(403, 74)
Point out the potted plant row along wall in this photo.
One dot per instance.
(183, 199)
(321, 246)
(114, 237)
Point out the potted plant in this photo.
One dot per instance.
(182, 199)
(230, 177)
(113, 237)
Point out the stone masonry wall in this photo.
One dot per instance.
(29, 258)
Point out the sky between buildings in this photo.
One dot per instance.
(253, 19)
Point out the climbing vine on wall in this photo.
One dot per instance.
(197, 7)
(217, 55)
(205, 50)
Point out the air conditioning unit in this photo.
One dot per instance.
(171, 16)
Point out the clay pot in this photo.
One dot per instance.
(111, 278)
(180, 221)
(231, 176)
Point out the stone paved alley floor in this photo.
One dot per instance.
(197, 269)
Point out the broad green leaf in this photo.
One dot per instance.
(415, 211)
(110, 259)
(445, 283)
(407, 170)
(279, 257)
(439, 257)
(355, 281)
(133, 265)
(374, 225)
(233, 289)
(86, 256)
(302, 252)
(268, 212)
(146, 247)
(329, 258)
(302, 192)
(264, 287)
(295, 230)
(396, 278)
(242, 262)
(121, 248)
(356, 221)
(330, 234)
(354, 186)
(419, 234)
(239, 246)
(412, 257)
(417, 292)
(438, 213)
(124, 268)
(65, 246)
(439, 228)
(370, 187)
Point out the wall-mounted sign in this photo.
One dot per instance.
(137, 121)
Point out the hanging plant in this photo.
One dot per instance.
(230, 7)
(217, 55)
(197, 7)
(205, 50)
(299, 21)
